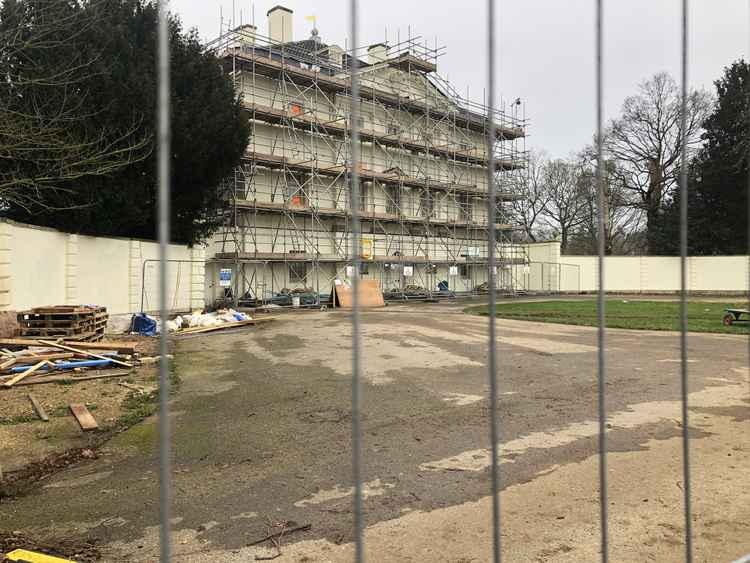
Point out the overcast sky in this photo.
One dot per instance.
(546, 47)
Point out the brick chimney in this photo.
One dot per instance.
(377, 53)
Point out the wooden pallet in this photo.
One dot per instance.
(72, 322)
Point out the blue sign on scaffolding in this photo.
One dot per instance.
(225, 277)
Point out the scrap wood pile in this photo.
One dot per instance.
(38, 361)
(196, 322)
(72, 322)
(30, 362)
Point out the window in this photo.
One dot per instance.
(295, 189)
(464, 207)
(393, 200)
(297, 272)
(364, 119)
(364, 268)
(363, 197)
(464, 271)
(426, 204)
(393, 129)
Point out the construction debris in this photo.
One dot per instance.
(73, 322)
(80, 351)
(25, 373)
(39, 358)
(26, 556)
(38, 408)
(69, 379)
(198, 321)
(120, 346)
(85, 420)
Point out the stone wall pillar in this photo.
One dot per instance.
(135, 264)
(71, 270)
(197, 277)
(6, 238)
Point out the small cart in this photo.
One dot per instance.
(732, 316)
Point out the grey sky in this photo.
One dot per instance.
(546, 47)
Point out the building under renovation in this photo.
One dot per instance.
(423, 171)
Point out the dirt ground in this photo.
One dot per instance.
(25, 439)
(261, 435)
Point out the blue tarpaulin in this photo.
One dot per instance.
(144, 325)
(67, 365)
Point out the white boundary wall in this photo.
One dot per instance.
(41, 266)
(646, 274)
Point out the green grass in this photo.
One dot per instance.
(622, 313)
(139, 406)
(18, 419)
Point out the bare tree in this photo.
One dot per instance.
(45, 142)
(646, 140)
(622, 218)
(566, 203)
(528, 210)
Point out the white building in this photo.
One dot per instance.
(423, 169)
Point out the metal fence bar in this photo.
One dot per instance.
(601, 303)
(163, 163)
(683, 290)
(356, 240)
(492, 342)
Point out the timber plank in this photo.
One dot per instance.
(57, 378)
(125, 347)
(85, 420)
(38, 408)
(79, 351)
(24, 374)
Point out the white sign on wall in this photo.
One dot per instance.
(408, 271)
(453, 271)
(350, 271)
(225, 277)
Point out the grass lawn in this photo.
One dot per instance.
(622, 313)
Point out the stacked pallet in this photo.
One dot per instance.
(71, 322)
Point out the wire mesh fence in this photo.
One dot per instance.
(495, 368)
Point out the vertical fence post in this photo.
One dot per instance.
(683, 292)
(601, 303)
(356, 261)
(163, 164)
(491, 213)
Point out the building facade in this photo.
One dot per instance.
(422, 169)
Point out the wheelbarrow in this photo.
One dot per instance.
(732, 316)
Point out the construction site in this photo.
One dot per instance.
(422, 169)
(245, 394)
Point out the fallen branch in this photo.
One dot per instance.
(282, 532)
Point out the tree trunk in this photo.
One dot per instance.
(653, 204)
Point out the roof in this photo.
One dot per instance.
(279, 7)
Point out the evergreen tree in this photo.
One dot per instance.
(209, 131)
(718, 176)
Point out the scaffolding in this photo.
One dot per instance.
(423, 173)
